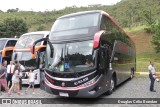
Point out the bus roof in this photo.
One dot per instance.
(95, 11)
(81, 13)
(38, 32)
(8, 38)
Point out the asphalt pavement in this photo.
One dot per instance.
(138, 87)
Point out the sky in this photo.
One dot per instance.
(48, 5)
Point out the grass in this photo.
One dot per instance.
(143, 61)
(133, 29)
(144, 49)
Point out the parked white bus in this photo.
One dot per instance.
(22, 53)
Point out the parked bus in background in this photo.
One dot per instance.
(87, 54)
(6, 48)
(22, 53)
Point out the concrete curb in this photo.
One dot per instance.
(144, 73)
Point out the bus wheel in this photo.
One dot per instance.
(112, 86)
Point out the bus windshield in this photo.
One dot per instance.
(2, 43)
(22, 56)
(70, 27)
(25, 40)
(72, 57)
(76, 22)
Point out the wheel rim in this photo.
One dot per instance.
(112, 84)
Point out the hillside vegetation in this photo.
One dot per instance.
(130, 14)
(144, 50)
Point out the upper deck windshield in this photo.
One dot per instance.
(25, 40)
(74, 25)
(2, 43)
(72, 57)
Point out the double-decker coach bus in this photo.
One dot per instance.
(87, 54)
(6, 48)
(23, 54)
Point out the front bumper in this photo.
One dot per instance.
(91, 91)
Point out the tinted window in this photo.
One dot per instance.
(76, 22)
(72, 57)
(33, 38)
(2, 43)
(11, 43)
(25, 40)
(113, 32)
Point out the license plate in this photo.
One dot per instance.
(63, 94)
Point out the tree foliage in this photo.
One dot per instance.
(150, 21)
(128, 13)
(1, 11)
(13, 27)
(156, 38)
(41, 28)
(12, 10)
(148, 17)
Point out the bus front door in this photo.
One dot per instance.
(104, 65)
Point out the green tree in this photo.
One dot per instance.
(13, 27)
(12, 10)
(1, 11)
(150, 21)
(148, 17)
(156, 37)
(41, 28)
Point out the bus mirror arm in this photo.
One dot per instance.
(32, 47)
(52, 49)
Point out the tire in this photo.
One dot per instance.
(112, 86)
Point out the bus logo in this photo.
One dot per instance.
(63, 84)
(81, 81)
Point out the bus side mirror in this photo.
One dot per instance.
(97, 37)
(32, 45)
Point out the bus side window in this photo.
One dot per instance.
(103, 23)
(11, 43)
